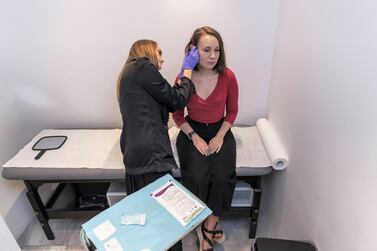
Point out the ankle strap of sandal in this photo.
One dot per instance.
(209, 241)
(207, 230)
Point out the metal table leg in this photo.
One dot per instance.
(39, 208)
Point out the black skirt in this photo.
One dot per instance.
(211, 178)
(137, 182)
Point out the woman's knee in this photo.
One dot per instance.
(222, 178)
(199, 178)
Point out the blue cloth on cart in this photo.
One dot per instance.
(161, 230)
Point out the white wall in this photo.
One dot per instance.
(7, 240)
(14, 133)
(323, 105)
(60, 59)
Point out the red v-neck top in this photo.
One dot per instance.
(223, 99)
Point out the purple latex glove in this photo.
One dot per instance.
(190, 61)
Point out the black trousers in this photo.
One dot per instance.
(137, 182)
(212, 178)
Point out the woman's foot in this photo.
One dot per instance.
(205, 238)
(207, 244)
(218, 234)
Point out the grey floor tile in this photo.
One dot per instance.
(234, 248)
(64, 230)
(74, 248)
(44, 248)
(67, 238)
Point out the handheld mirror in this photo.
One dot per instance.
(48, 143)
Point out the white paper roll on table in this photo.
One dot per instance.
(274, 148)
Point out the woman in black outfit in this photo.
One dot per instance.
(145, 100)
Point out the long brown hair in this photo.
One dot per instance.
(220, 67)
(141, 48)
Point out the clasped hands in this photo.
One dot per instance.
(214, 145)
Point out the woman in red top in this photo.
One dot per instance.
(205, 144)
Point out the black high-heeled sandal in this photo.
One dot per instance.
(203, 237)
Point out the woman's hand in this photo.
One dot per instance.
(215, 144)
(200, 144)
(190, 61)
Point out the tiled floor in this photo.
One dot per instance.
(67, 236)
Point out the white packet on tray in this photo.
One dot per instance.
(133, 219)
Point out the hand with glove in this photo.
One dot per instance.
(190, 61)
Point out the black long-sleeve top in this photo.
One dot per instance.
(145, 100)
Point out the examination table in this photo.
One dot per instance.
(93, 156)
